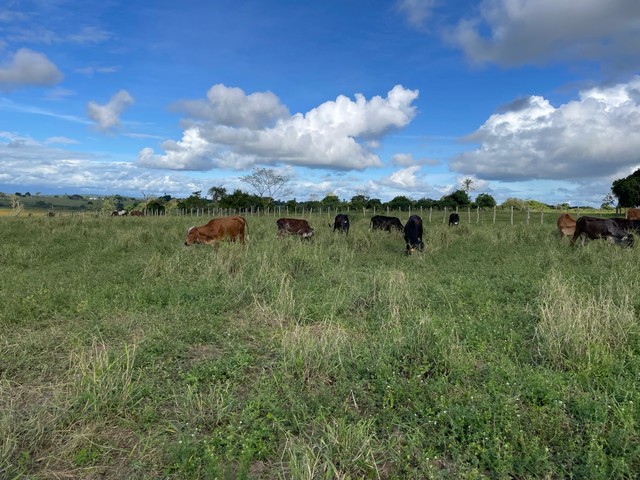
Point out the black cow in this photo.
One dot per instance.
(627, 225)
(341, 223)
(454, 219)
(413, 234)
(380, 222)
(593, 227)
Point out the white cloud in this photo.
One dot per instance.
(229, 106)
(416, 11)
(407, 160)
(234, 130)
(404, 178)
(403, 160)
(61, 140)
(107, 117)
(597, 135)
(27, 162)
(519, 31)
(28, 68)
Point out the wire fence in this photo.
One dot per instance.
(430, 215)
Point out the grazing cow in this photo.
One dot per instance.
(119, 213)
(380, 222)
(593, 227)
(627, 225)
(294, 226)
(566, 225)
(341, 223)
(136, 213)
(218, 229)
(632, 214)
(454, 219)
(413, 234)
(51, 214)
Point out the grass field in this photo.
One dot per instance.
(499, 352)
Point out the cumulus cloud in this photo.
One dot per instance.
(28, 68)
(233, 130)
(404, 178)
(107, 117)
(596, 135)
(511, 32)
(25, 161)
(231, 107)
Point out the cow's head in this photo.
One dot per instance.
(627, 240)
(307, 233)
(415, 246)
(193, 236)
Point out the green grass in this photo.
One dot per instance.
(500, 352)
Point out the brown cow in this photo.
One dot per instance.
(217, 230)
(294, 226)
(136, 213)
(632, 214)
(566, 225)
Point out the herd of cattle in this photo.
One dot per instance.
(235, 228)
(615, 230)
(124, 213)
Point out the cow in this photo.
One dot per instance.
(593, 227)
(632, 214)
(566, 225)
(454, 219)
(380, 222)
(119, 213)
(413, 234)
(218, 229)
(341, 223)
(627, 225)
(136, 213)
(294, 226)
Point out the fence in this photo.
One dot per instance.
(429, 215)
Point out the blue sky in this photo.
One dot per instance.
(535, 99)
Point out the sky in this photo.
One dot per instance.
(533, 99)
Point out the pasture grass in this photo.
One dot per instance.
(499, 352)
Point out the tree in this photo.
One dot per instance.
(194, 201)
(267, 184)
(16, 205)
(608, 201)
(108, 205)
(467, 184)
(427, 203)
(240, 200)
(359, 201)
(217, 193)
(400, 203)
(514, 202)
(484, 200)
(459, 198)
(627, 190)
(330, 201)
